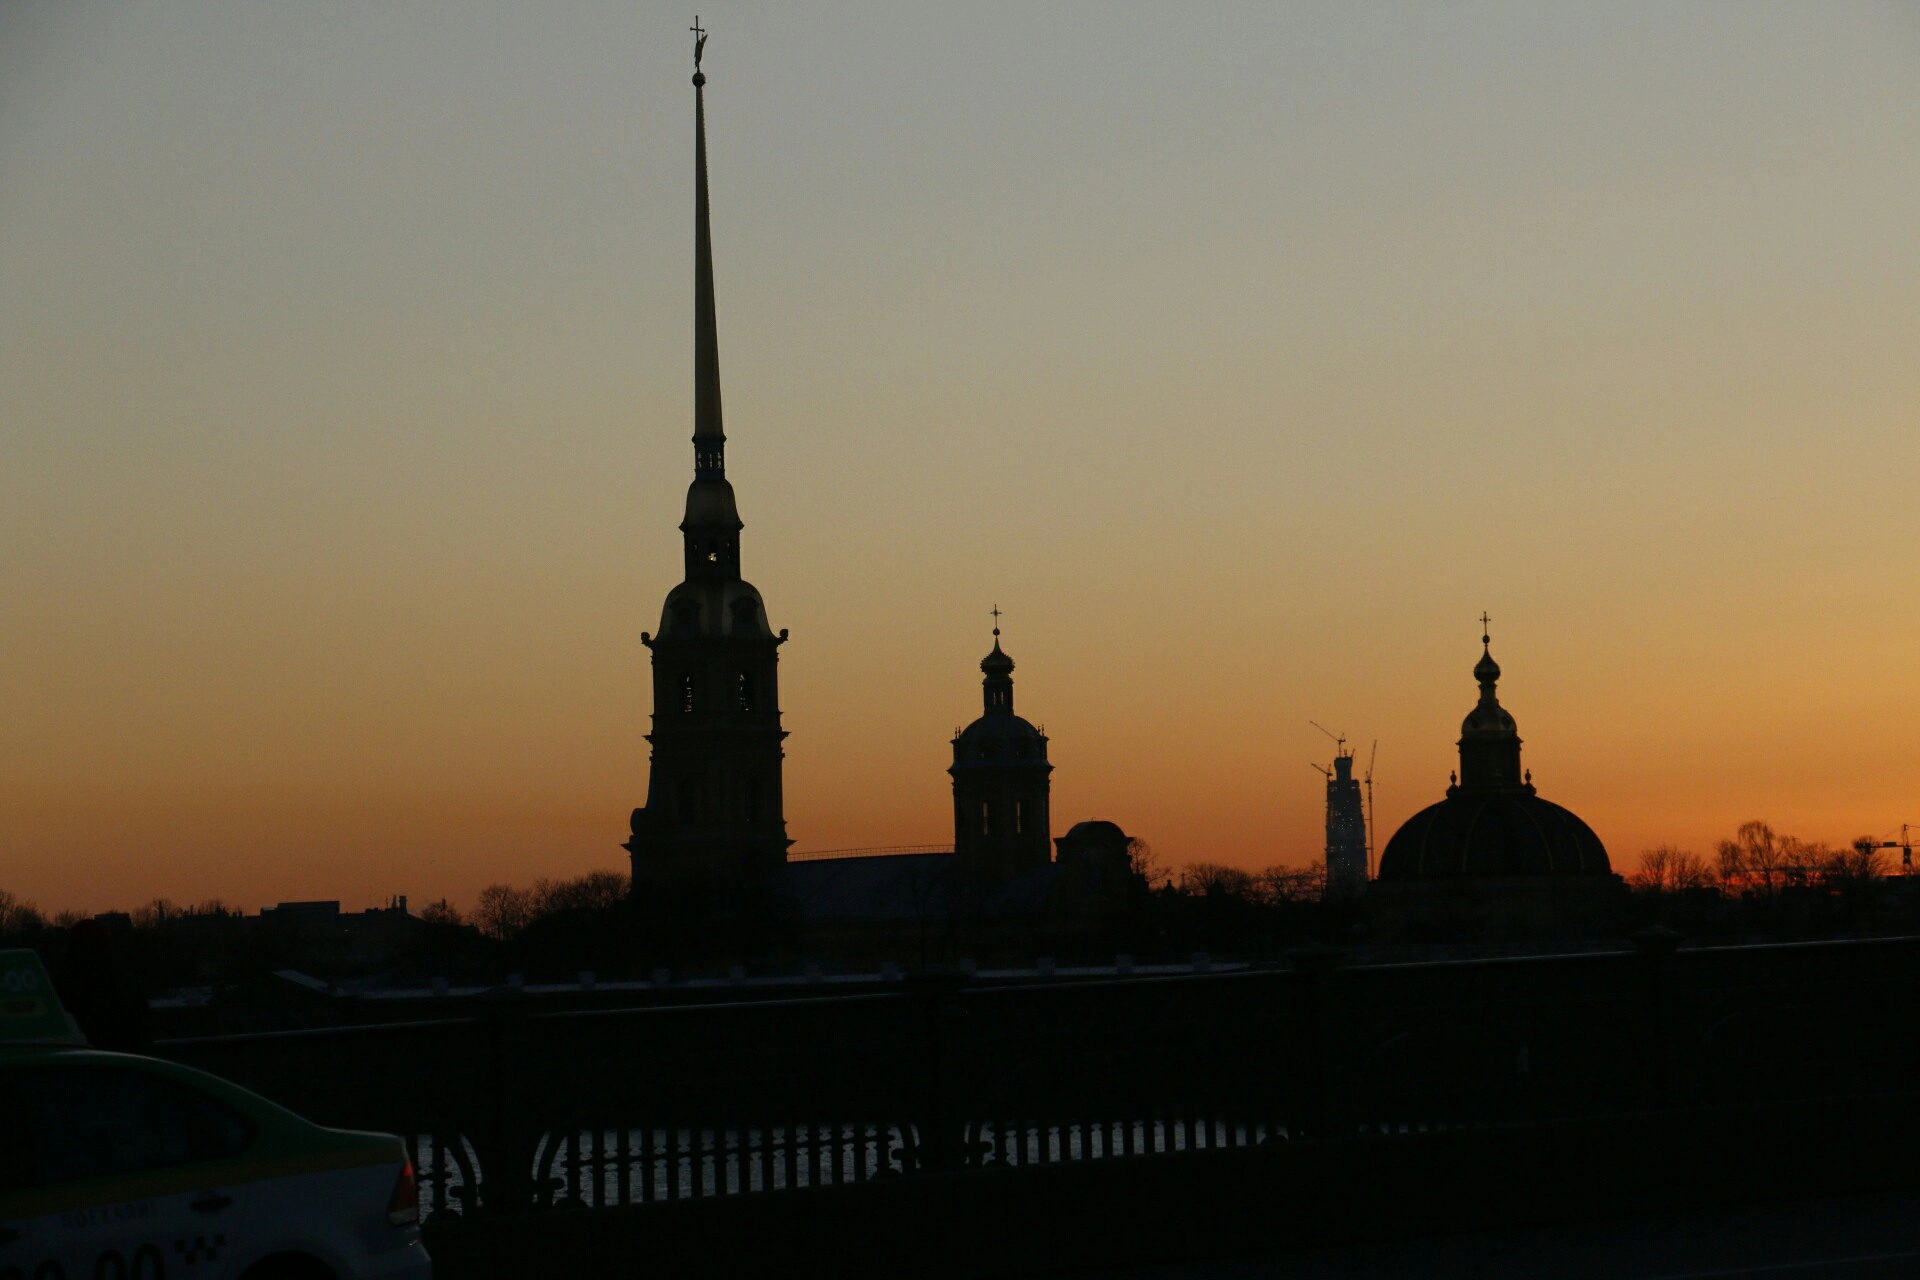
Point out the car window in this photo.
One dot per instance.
(96, 1121)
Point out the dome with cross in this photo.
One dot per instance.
(1492, 823)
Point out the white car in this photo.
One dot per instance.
(117, 1167)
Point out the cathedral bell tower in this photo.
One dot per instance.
(713, 789)
(1001, 827)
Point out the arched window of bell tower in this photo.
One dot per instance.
(743, 689)
(686, 693)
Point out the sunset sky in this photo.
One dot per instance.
(1242, 355)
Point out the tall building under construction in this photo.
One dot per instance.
(1346, 830)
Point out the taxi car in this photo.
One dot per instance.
(120, 1167)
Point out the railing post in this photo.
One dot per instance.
(507, 1157)
(936, 1003)
(1655, 947)
(1326, 1105)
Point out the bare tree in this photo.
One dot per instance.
(1665, 869)
(1855, 867)
(594, 891)
(1753, 861)
(441, 912)
(503, 911)
(1293, 884)
(506, 912)
(1687, 870)
(17, 916)
(156, 914)
(1218, 880)
(1144, 863)
(1655, 874)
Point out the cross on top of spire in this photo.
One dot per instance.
(1486, 671)
(998, 668)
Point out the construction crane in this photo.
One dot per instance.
(1340, 751)
(1904, 844)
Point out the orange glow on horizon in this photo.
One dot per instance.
(349, 390)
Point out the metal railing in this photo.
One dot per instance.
(517, 1108)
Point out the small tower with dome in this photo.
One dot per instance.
(1000, 781)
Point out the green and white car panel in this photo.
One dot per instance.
(117, 1167)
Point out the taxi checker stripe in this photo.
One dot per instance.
(104, 1191)
(201, 1248)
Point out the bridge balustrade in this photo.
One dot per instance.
(513, 1108)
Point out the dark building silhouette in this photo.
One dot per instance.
(1001, 876)
(1493, 853)
(1346, 830)
(1000, 783)
(1095, 860)
(714, 804)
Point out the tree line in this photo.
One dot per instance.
(1759, 862)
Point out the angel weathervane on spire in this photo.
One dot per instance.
(699, 41)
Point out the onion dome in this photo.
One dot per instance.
(997, 664)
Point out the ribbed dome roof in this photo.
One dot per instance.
(1494, 833)
(1004, 728)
